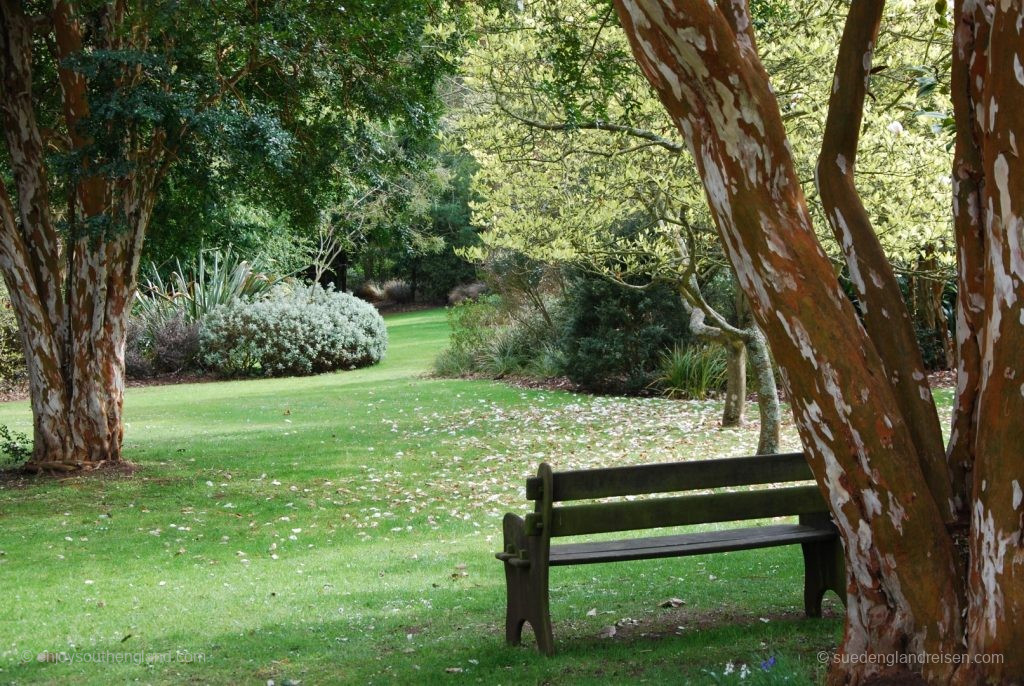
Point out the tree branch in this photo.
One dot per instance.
(596, 125)
(886, 317)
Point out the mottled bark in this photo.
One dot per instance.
(767, 393)
(71, 294)
(735, 401)
(970, 40)
(903, 597)
(736, 372)
(885, 315)
(995, 619)
(708, 325)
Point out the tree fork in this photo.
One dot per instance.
(701, 60)
(884, 311)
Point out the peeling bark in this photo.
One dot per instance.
(996, 580)
(701, 59)
(751, 342)
(735, 403)
(767, 393)
(72, 295)
(890, 329)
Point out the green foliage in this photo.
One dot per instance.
(549, 85)
(252, 117)
(516, 348)
(613, 335)
(490, 339)
(210, 279)
(12, 356)
(471, 320)
(15, 448)
(433, 274)
(292, 332)
(470, 323)
(692, 371)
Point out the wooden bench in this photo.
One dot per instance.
(528, 553)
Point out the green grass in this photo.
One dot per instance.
(380, 494)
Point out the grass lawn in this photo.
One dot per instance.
(340, 529)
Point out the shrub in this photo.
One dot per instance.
(471, 323)
(613, 336)
(137, 350)
(466, 291)
(302, 331)
(12, 357)
(175, 345)
(452, 363)
(370, 292)
(398, 291)
(692, 372)
(15, 448)
(213, 278)
(163, 344)
(487, 339)
(512, 348)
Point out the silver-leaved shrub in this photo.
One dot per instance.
(293, 331)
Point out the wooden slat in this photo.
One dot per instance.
(681, 545)
(670, 477)
(593, 518)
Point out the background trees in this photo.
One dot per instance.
(573, 145)
(103, 102)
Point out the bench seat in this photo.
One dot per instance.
(681, 545)
(578, 503)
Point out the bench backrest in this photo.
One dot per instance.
(550, 487)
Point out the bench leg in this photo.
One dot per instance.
(526, 588)
(824, 569)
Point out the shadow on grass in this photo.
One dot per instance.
(410, 649)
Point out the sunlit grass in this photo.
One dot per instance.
(340, 529)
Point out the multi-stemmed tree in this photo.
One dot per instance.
(933, 537)
(572, 143)
(100, 99)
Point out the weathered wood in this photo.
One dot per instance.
(527, 585)
(528, 554)
(671, 477)
(683, 545)
(593, 518)
(824, 565)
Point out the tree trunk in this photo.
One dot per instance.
(988, 88)
(926, 298)
(77, 400)
(901, 510)
(736, 379)
(767, 393)
(752, 342)
(852, 412)
(71, 296)
(735, 384)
